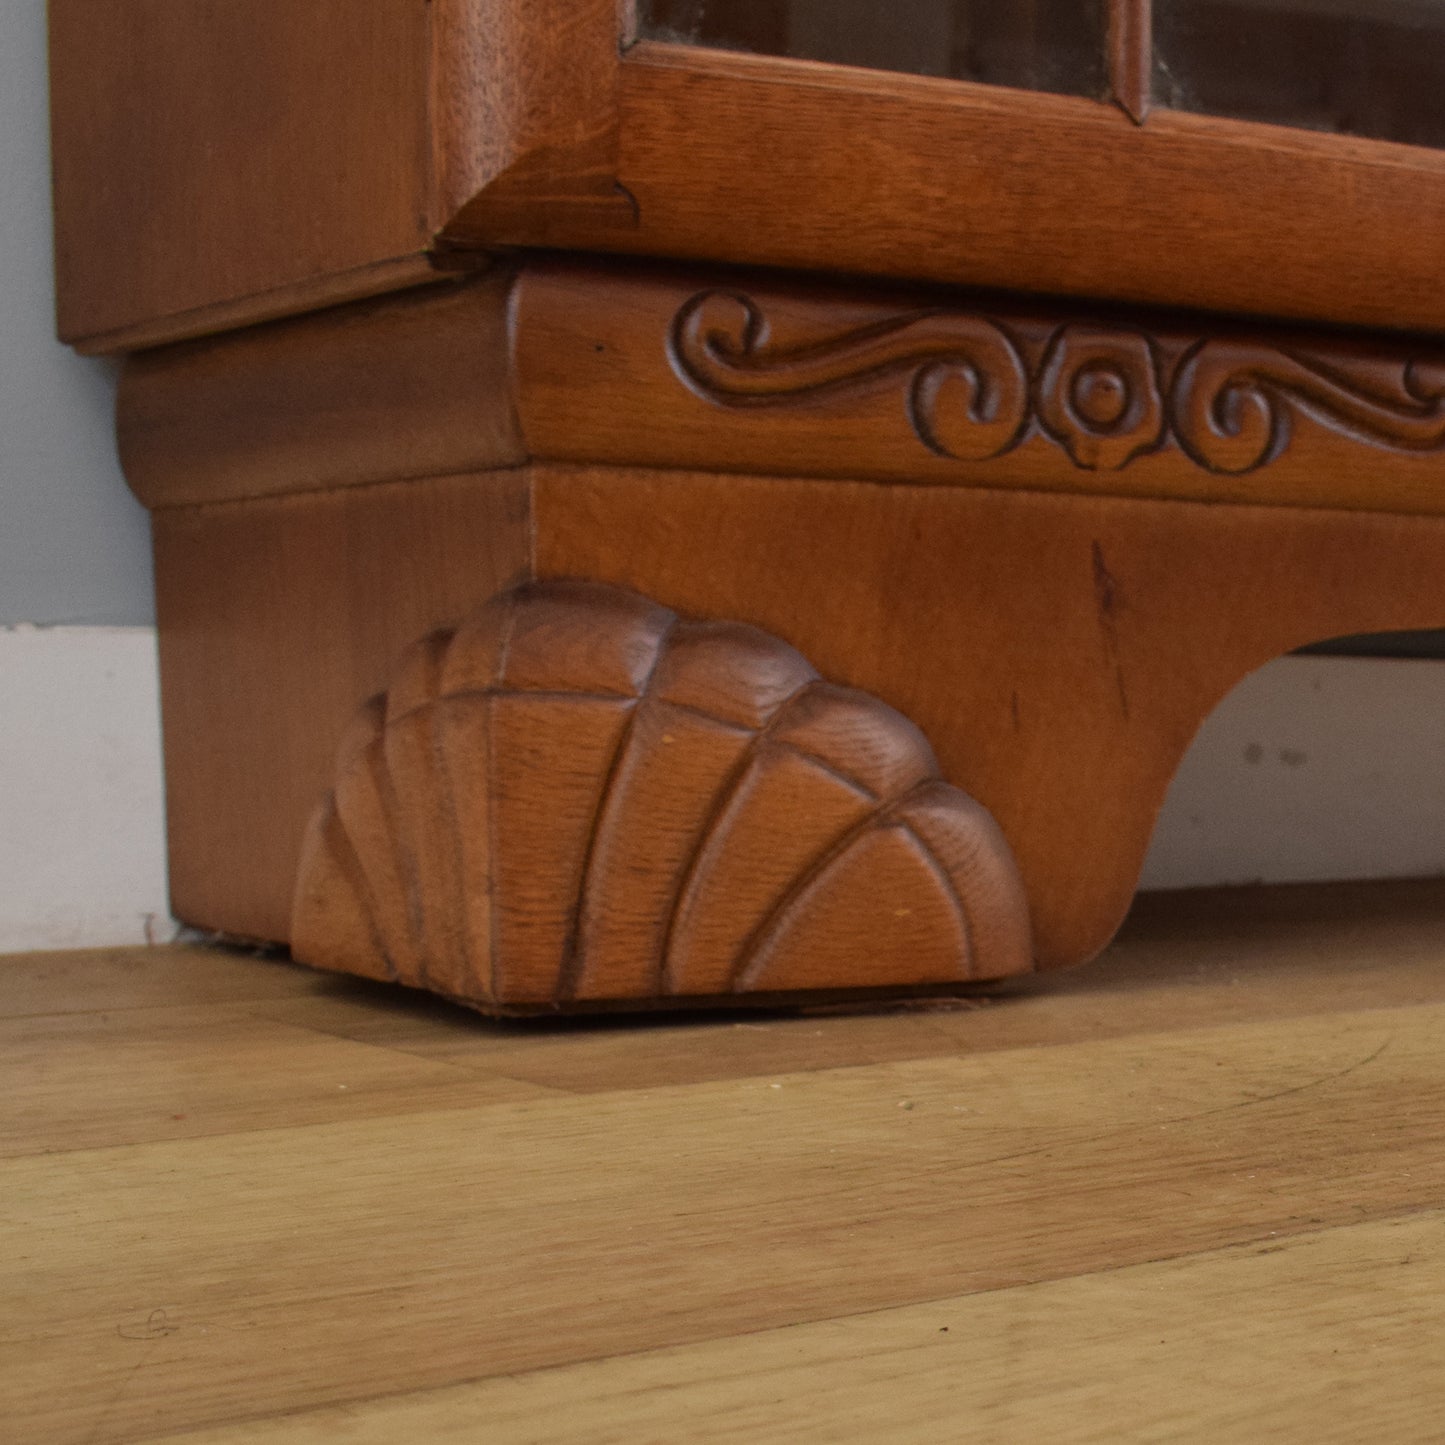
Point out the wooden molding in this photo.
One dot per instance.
(1105, 393)
(748, 372)
(578, 798)
(525, 118)
(377, 391)
(336, 288)
(760, 160)
(220, 164)
(1131, 57)
(595, 362)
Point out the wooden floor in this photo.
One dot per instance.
(1196, 1192)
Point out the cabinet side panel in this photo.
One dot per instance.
(210, 151)
(278, 617)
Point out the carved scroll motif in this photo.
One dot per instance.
(964, 379)
(1233, 405)
(1106, 394)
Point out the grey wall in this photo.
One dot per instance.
(73, 541)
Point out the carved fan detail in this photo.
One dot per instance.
(576, 797)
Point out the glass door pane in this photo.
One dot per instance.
(1055, 45)
(1361, 67)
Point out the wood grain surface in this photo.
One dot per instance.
(526, 114)
(1297, 1337)
(766, 161)
(224, 162)
(218, 164)
(415, 385)
(1193, 1191)
(277, 617)
(1131, 57)
(671, 367)
(577, 798)
(247, 155)
(1059, 652)
(738, 372)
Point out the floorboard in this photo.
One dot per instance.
(1196, 1191)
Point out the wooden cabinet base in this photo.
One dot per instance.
(618, 808)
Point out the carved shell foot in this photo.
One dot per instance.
(577, 798)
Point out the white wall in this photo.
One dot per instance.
(1313, 768)
(73, 541)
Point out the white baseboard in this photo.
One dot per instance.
(82, 832)
(1314, 768)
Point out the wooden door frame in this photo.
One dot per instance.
(536, 125)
